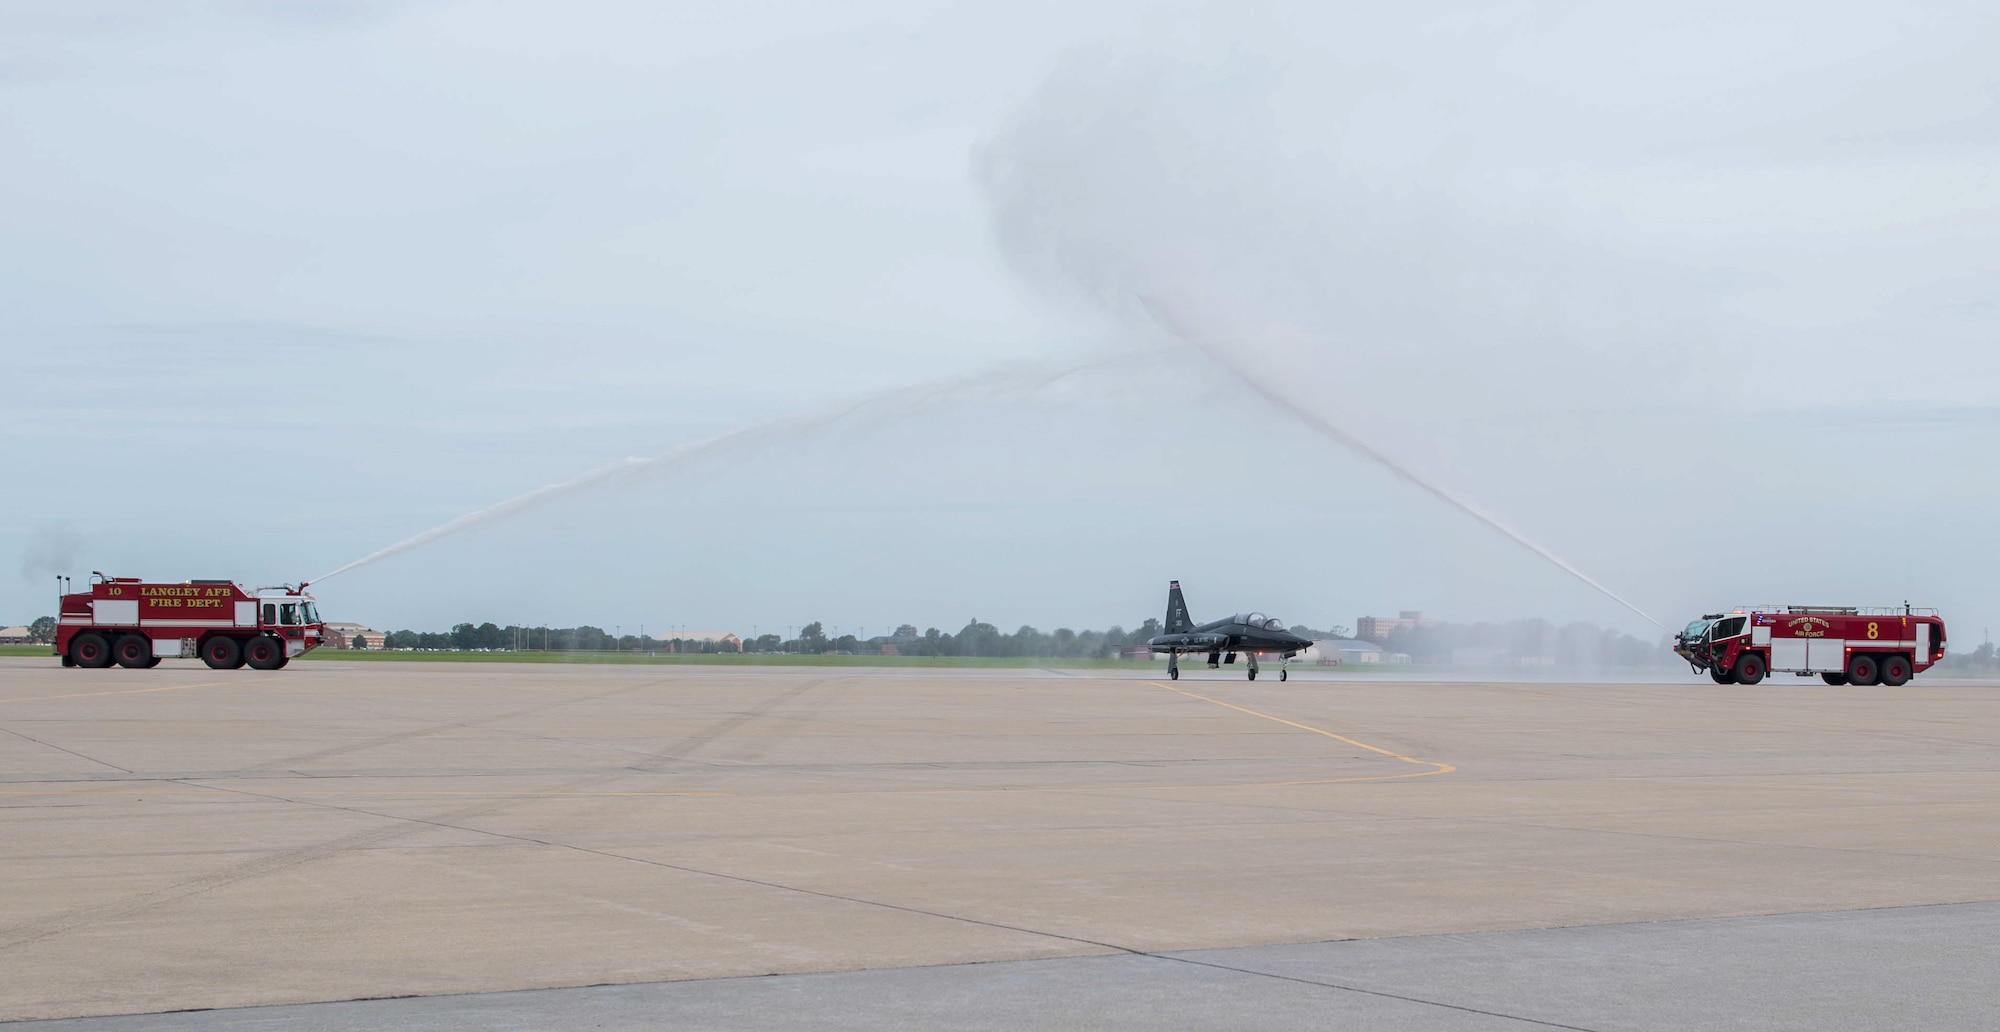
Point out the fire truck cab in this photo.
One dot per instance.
(1842, 644)
(137, 623)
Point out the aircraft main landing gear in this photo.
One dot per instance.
(1173, 666)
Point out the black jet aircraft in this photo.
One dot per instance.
(1248, 633)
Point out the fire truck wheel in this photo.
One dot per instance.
(222, 653)
(1833, 678)
(91, 651)
(1721, 676)
(1749, 668)
(1862, 670)
(1895, 671)
(264, 653)
(132, 651)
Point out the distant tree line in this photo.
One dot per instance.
(1518, 641)
(1982, 659)
(491, 637)
(974, 639)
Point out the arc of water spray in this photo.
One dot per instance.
(900, 401)
(1165, 318)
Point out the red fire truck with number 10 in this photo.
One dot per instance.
(1842, 644)
(137, 623)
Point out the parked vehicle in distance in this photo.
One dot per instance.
(137, 623)
(1842, 644)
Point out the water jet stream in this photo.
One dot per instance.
(1222, 355)
(894, 403)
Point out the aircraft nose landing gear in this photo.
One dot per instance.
(1253, 664)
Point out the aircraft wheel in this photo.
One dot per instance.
(1284, 675)
(1173, 673)
(1253, 675)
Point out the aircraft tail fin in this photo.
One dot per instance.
(1177, 614)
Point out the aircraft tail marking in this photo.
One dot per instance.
(1177, 614)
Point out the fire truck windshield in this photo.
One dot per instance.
(312, 612)
(1696, 629)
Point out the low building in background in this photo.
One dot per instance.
(16, 636)
(725, 639)
(1349, 652)
(1376, 628)
(887, 644)
(354, 636)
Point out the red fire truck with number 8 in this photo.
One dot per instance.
(137, 623)
(1842, 644)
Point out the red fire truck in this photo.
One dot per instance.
(137, 623)
(1842, 644)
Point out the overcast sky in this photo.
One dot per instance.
(1703, 300)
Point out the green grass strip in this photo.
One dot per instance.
(716, 659)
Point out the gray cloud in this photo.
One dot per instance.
(50, 549)
(1660, 287)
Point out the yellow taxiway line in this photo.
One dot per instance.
(1437, 768)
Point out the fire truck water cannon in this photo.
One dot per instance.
(137, 623)
(1842, 644)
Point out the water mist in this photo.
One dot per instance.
(1100, 189)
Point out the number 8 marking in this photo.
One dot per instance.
(1874, 630)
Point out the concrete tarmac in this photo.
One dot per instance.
(1857, 971)
(181, 838)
